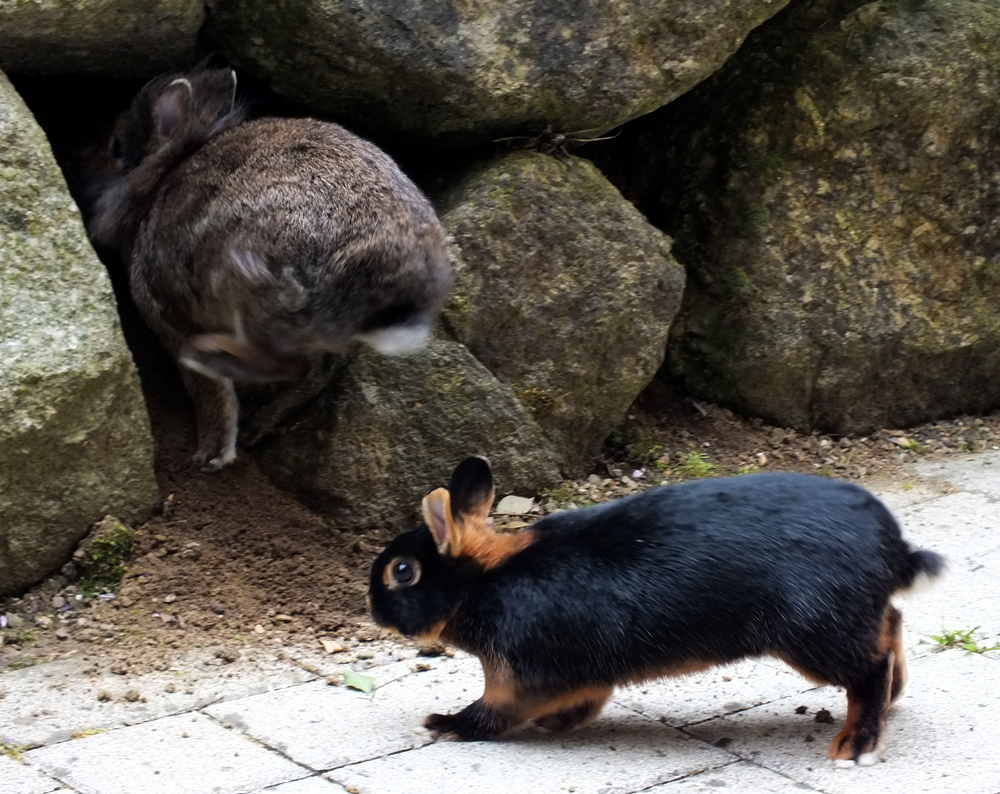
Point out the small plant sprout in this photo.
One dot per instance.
(696, 464)
(962, 639)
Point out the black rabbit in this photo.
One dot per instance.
(251, 246)
(665, 582)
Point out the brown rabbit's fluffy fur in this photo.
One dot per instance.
(251, 246)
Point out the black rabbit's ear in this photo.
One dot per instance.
(436, 508)
(471, 489)
(172, 110)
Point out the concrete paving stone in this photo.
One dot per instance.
(186, 753)
(47, 703)
(18, 778)
(941, 737)
(978, 473)
(965, 528)
(309, 785)
(953, 524)
(385, 659)
(740, 776)
(383, 669)
(899, 496)
(324, 726)
(721, 690)
(620, 752)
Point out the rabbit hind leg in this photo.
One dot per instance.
(504, 706)
(891, 639)
(217, 411)
(574, 716)
(867, 705)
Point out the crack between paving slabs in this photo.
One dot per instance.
(318, 772)
(228, 726)
(686, 776)
(748, 759)
(663, 721)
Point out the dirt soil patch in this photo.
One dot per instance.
(231, 561)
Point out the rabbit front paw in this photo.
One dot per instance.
(445, 726)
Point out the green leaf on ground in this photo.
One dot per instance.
(359, 681)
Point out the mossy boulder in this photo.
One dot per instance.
(75, 442)
(118, 38)
(563, 290)
(387, 430)
(482, 69)
(833, 193)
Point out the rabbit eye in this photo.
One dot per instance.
(403, 573)
(116, 147)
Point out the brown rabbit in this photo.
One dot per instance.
(251, 246)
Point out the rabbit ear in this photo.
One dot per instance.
(172, 109)
(471, 489)
(215, 91)
(436, 508)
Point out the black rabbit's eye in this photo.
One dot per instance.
(116, 148)
(403, 573)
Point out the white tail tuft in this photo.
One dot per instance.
(399, 339)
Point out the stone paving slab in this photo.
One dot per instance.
(47, 703)
(622, 751)
(722, 690)
(309, 785)
(324, 726)
(18, 778)
(965, 528)
(942, 735)
(977, 473)
(741, 777)
(186, 753)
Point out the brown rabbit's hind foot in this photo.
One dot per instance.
(212, 457)
(215, 464)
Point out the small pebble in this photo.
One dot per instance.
(58, 601)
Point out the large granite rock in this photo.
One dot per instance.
(833, 191)
(563, 290)
(483, 69)
(75, 442)
(387, 430)
(118, 38)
